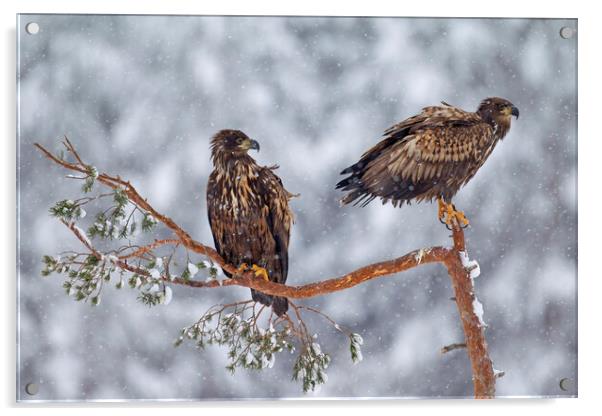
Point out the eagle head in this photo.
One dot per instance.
(498, 112)
(232, 143)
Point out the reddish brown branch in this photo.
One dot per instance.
(482, 368)
(145, 249)
(324, 287)
(133, 195)
(474, 332)
(373, 271)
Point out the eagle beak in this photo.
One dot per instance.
(250, 144)
(514, 112)
(255, 144)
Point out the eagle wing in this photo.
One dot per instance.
(430, 154)
(279, 219)
(215, 223)
(253, 229)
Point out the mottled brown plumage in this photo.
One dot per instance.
(248, 211)
(430, 155)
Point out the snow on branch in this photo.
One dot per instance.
(151, 273)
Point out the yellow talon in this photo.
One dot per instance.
(448, 215)
(441, 211)
(260, 272)
(461, 218)
(242, 268)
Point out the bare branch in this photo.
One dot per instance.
(149, 247)
(451, 347)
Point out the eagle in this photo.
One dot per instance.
(249, 214)
(430, 155)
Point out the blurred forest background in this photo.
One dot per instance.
(141, 96)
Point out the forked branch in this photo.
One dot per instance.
(453, 258)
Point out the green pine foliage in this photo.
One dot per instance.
(355, 342)
(91, 175)
(310, 367)
(249, 345)
(67, 210)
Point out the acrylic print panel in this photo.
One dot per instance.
(140, 97)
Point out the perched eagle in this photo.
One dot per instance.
(248, 213)
(430, 155)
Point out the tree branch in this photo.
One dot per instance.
(451, 347)
(474, 330)
(452, 258)
(145, 249)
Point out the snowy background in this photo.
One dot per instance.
(141, 97)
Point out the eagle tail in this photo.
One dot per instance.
(279, 305)
(399, 193)
(351, 183)
(261, 297)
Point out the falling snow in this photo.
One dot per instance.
(140, 100)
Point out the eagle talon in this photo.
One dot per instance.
(461, 218)
(450, 216)
(441, 211)
(260, 272)
(242, 268)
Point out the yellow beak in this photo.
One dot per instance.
(249, 144)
